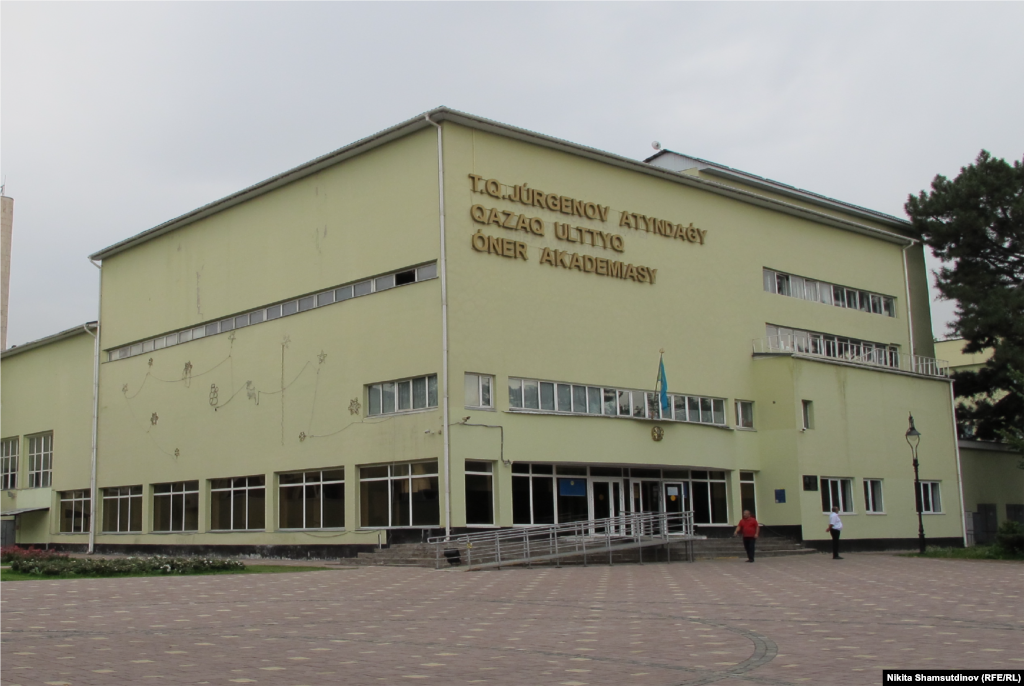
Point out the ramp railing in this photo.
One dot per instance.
(591, 538)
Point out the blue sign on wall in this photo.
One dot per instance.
(780, 495)
(572, 487)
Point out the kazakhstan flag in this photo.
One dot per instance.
(663, 383)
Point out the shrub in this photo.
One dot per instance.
(86, 567)
(1010, 538)
(11, 553)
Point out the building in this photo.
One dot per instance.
(456, 323)
(993, 474)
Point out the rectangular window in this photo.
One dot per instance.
(75, 509)
(873, 496)
(392, 397)
(40, 460)
(479, 492)
(807, 414)
(566, 398)
(238, 504)
(122, 509)
(747, 499)
(400, 494)
(928, 499)
(312, 500)
(478, 390)
(9, 463)
(827, 345)
(837, 493)
(744, 414)
(176, 506)
(709, 498)
(830, 294)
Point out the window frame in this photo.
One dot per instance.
(396, 388)
(40, 461)
(173, 495)
(490, 474)
(874, 504)
(845, 493)
(934, 493)
(481, 381)
(628, 403)
(737, 406)
(305, 485)
(394, 475)
(286, 308)
(807, 415)
(122, 496)
(82, 496)
(245, 489)
(9, 454)
(825, 292)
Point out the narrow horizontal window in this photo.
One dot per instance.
(404, 395)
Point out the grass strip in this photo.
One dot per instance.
(10, 575)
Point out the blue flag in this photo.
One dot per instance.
(663, 383)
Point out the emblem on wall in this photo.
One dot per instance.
(657, 433)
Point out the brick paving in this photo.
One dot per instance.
(789, 620)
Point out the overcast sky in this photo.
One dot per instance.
(116, 117)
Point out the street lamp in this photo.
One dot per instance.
(914, 439)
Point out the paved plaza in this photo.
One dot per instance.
(796, 620)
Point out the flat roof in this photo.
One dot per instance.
(79, 330)
(441, 114)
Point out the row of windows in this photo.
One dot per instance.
(551, 396)
(264, 314)
(838, 492)
(548, 494)
(392, 495)
(404, 395)
(828, 293)
(785, 339)
(40, 461)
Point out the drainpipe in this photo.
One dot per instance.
(444, 337)
(910, 317)
(95, 412)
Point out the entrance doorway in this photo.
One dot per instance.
(677, 501)
(606, 500)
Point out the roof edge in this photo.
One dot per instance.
(81, 329)
(441, 114)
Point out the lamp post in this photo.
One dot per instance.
(914, 439)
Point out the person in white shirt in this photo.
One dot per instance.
(835, 527)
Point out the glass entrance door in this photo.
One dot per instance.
(606, 500)
(677, 501)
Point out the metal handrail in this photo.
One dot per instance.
(502, 547)
(873, 356)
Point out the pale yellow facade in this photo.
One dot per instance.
(614, 263)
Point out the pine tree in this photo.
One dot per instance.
(975, 224)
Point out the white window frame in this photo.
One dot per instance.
(40, 460)
(313, 477)
(628, 403)
(468, 471)
(738, 406)
(807, 415)
(282, 309)
(375, 396)
(240, 491)
(176, 496)
(933, 489)
(79, 523)
(803, 288)
(122, 497)
(874, 503)
(393, 467)
(482, 381)
(845, 485)
(9, 449)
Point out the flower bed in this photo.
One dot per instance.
(11, 553)
(93, 567)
